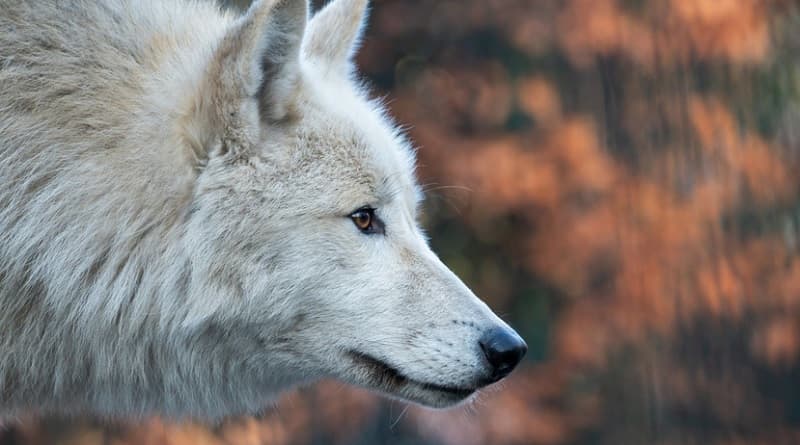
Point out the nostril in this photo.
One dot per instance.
(504, 350)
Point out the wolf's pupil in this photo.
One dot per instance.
(363, 218)
(367, 221)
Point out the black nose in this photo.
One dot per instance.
(503, 349)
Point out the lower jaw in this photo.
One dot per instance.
(393, 382)
(435, 399)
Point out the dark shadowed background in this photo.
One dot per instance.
(619, 179)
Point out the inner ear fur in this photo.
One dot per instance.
(253, 75)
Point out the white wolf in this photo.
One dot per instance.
(198, 210)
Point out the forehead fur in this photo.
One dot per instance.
(341, 135)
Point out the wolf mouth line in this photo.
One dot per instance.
(391, 378)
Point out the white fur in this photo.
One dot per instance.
(174, 230)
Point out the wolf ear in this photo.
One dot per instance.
(334, 33)
(259, 57)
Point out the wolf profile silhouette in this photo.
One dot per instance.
(198, 210)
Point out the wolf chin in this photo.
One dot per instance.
(198, 210)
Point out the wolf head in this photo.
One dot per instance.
(304, 223)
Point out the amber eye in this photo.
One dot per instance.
(362, 218)
(366, 220)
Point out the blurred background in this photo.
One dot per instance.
(619, 180)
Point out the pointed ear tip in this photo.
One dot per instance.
(361, 4)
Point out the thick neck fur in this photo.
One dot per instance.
(99, 129)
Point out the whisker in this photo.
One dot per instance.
(400, 417)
